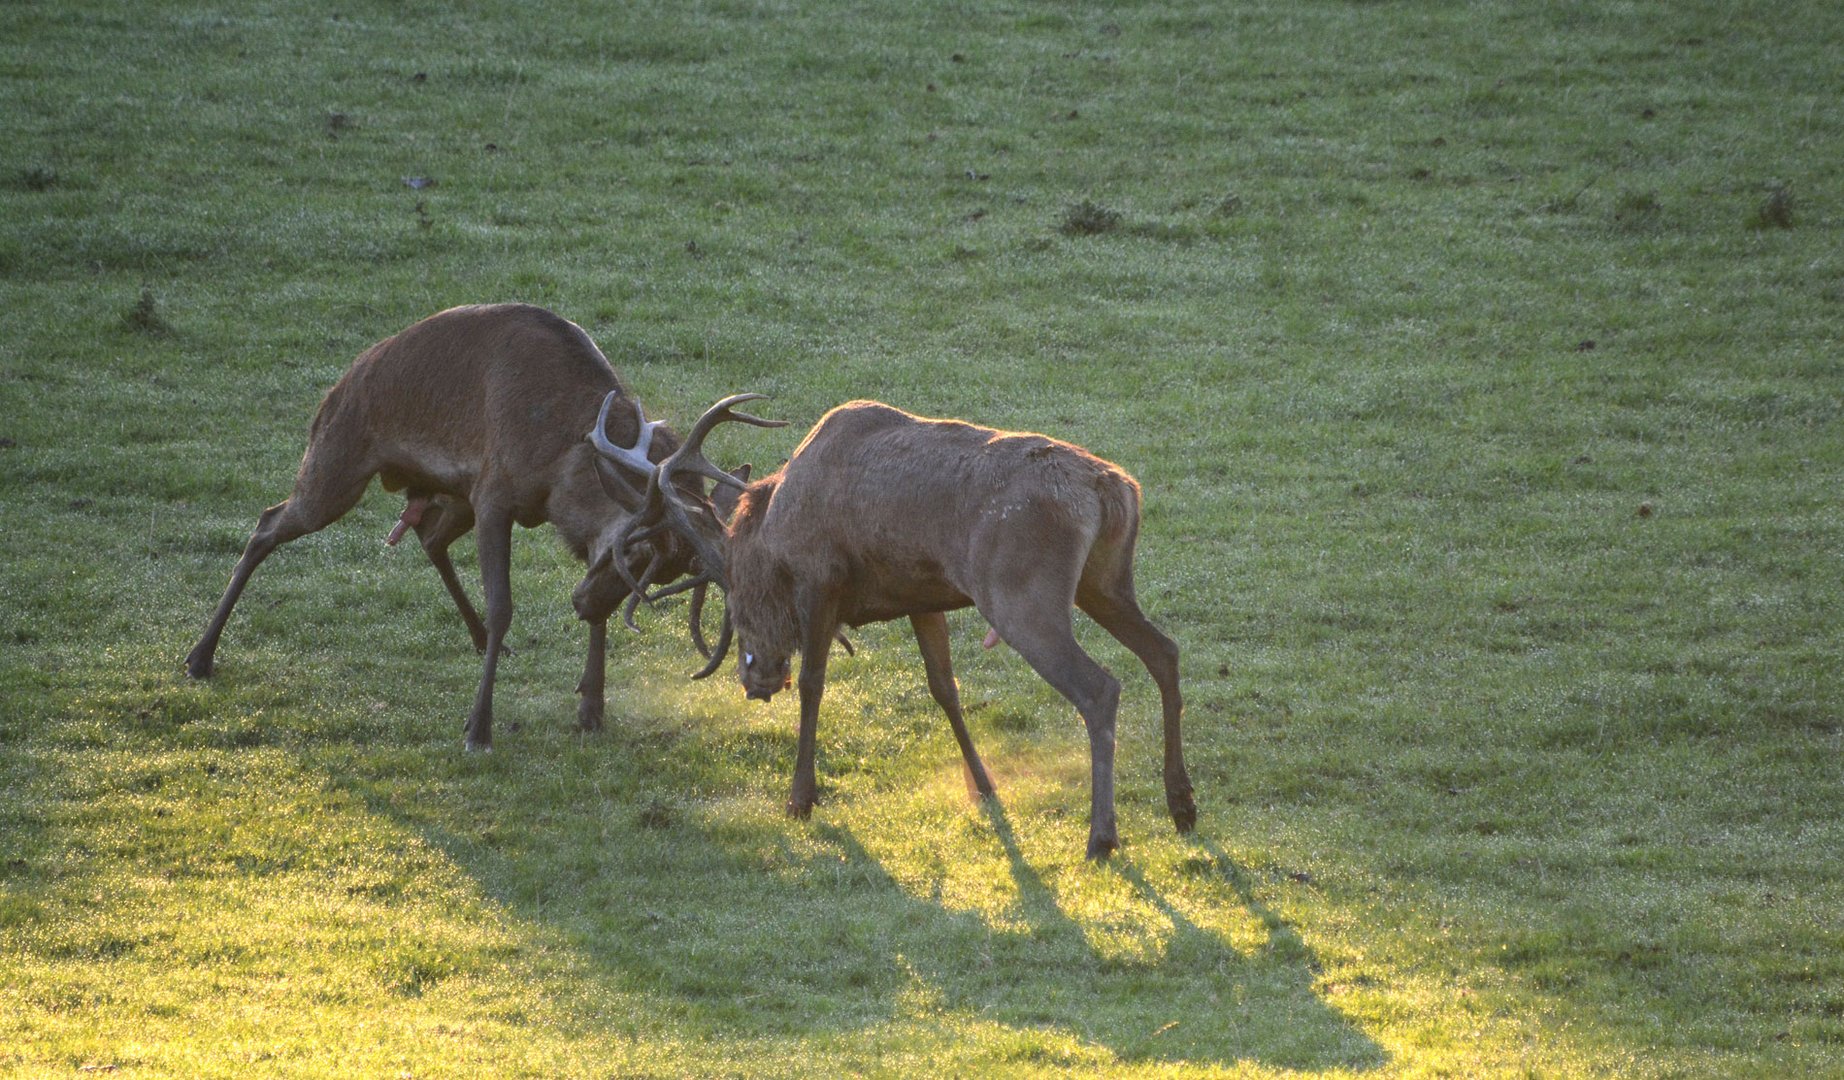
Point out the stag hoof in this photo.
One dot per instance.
(1102, 843)
(588, 715)
(1184, 811)
(800, 811)
(198, 667)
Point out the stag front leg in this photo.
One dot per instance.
(589, 704)
(932, 639)
(494, 546)
(812, 687)
(596, 598)
(815, 651)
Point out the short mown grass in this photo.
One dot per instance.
(1481, 364)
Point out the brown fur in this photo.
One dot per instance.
(881, 515)
(484, 410)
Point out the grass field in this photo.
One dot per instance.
(1481, 363)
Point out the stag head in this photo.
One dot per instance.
(760, 599)
(763, 678)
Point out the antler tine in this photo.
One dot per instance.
(638, 594)
(678, 587)
(634, 457)
(664, 503)
(722, 650)
(710, 555)
(697, 621)
(664, 509)
(643, 522)
(690, 454)
(724, 410)
(633, 531)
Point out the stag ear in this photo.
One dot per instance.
(724, 497)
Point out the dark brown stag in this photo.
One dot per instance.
(880, 515)
(477, 414)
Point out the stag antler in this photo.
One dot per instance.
(667, 508)
(634, 457)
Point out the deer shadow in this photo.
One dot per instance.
(778, 932)
(1200, 1001)
(820, 938)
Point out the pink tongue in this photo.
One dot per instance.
(412, 516)
(992, 638)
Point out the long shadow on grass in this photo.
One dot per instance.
(796, 938)
(1201, 1001)
(769, 937)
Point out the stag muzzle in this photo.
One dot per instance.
(766, 686)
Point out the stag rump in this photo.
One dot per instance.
(882, 515)
(477, 414)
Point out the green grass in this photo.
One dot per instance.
(1480, 362)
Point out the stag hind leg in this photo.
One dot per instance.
(1052, 652)
(323, 493)
(446, 521)
(1031, 612)
(1106, 595)
(932, 638)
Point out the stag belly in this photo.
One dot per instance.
(883, 591)
(428, 469)
(522, 494)
(421, 481)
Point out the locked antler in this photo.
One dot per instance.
(668, 507)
